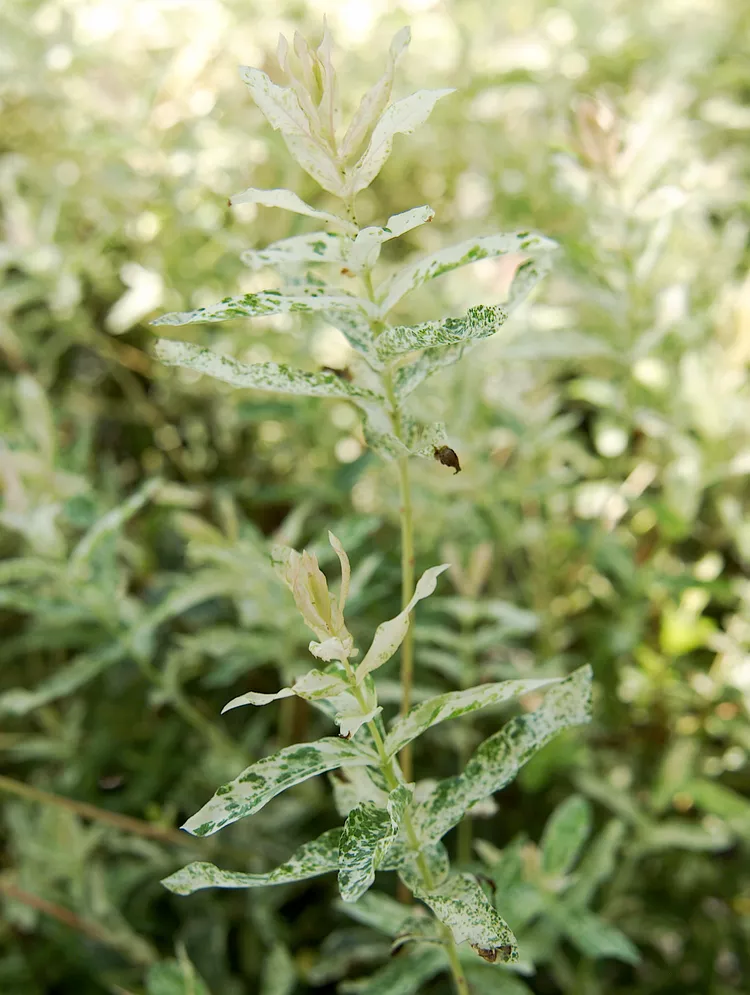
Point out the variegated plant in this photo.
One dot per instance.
(390, 823)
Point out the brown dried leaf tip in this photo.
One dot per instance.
(448, 457)
(491, 954)
(341, 374)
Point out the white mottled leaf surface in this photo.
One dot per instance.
(315, 247)
(365, 251)
(478, 323)
(319, 856)
(266, 302)
(287, 200)
(368, 834)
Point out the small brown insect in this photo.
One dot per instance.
(342, 374)
(448, 457)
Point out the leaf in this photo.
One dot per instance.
(66, 679)
(448, 706)
(28, 568)
(478, 323)
(262, 781)
(267, 302)
(355, 327)
(317, 247)
(594, 937)
(401, 118)
(346, 570)
(279, 972)
(287, 200)
(319, 856)
(445, 260)
(598, 864)
(378, 911)
(408, 378)
(405, 975)
(461, 905)
(368, 834)
(498, 759)
(365, 251)
(280, 107)
(389, 635)
(36, 414)
(564, 835)
(554, 345)
(492, 980)
(174, 977)
(375, 100)
(260, 376)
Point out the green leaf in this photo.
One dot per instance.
(65, 680)
(461, 905)
(389, 635)
(23, 569)
(174, 977)
(493, 980)
(598, 864)
(317, 247)
(267, 302)
(319, 856)
(408, 378)
(453, 704)
(279, 972)
(478, 323)
(594, 937)
(367, 837)
(287, 200)
(260, 376)
(564, 835)
(405, 975)
(401, 118)
(554, 345)
(355, 327)
(365, 251)
(722, 801)
(498, 759)
(378, 911)
(469, 251)
(262, 781)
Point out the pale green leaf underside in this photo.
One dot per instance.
(565, 834)
(598, 863)
(594, 937)
(287, 200)
(478, 323)
(319, 856)
(405, 975)
(264, 303)
(498, 759)
(367, 836)
(262, 781)
(448, 706)
(274, 377)
(462, 254)
(174, 977)
(378, 911)
(366, 248)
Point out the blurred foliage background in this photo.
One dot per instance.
(603, 500)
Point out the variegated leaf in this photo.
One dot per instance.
(478, 323)
(408, 378)
(461, 905)
(565, 834)
(356, 329)
(287, 200)
(451, 705)
(316, 247)
(411, 864)
(365, 251)
(367, 836)
(406, 974)
(401, 118)
(262, 781)
(319, 856)
(267, 302)
(260, 376)
(498, 759)
(422, 440)
(389, 635)
(383, 442)
(445, 260)
(378, 911)
(374, 101)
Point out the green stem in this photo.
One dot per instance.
(407, 590)
(468, 677)
(459, 978)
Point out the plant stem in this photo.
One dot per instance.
(459, 978)
(407, 590)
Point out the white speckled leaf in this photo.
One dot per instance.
(260, 376)
(403, 859)
(469, 251)
(365, 251)
(387, 445)
(267, 302)
(389, 635)
(462, 905)
(408, 378)
(355, 327)
(527, 276)
(401, 118)
(422, 439)
(565, 834)
(317, 247)
(319, 856)
(448, 706)
(287, 200)
(282, 110)
(262, 781)
(406, 974)
(368, 834)
(478, 323)
(375, 100)
(498, 759)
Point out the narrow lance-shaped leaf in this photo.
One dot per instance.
(448, 706)
(498, 759)
(403, 117)
(598, 864)
(366, 248)
(319, 856)
(266, 303)
(174, 977)
(367, 836)
(406, 974)
(389, 635)
(478, 323)
(564, 835)
(462, 254)
(287, 200)
(262, 781)
(461, 905)
(593, 936)
(260, 376)
(316, 247)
